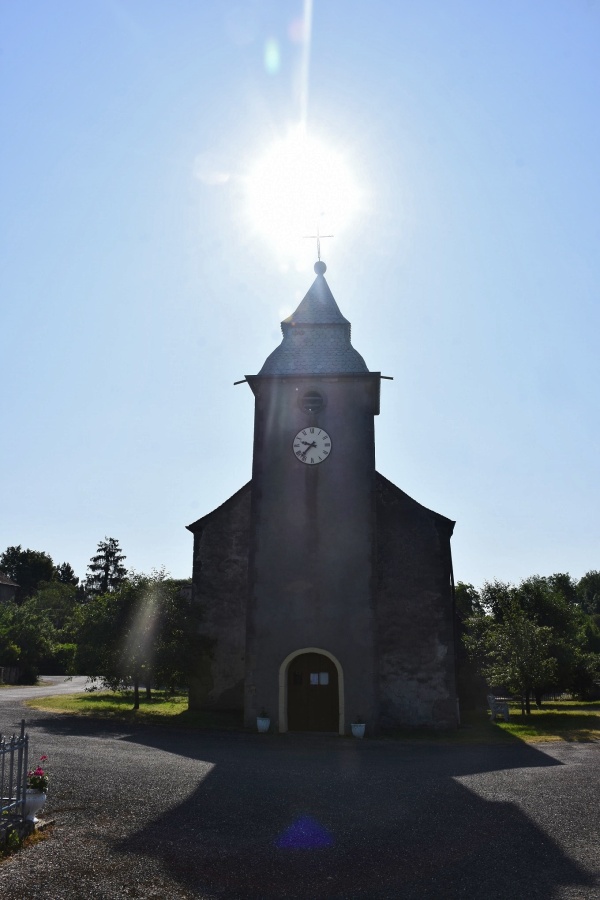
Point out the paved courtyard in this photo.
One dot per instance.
(146, 812)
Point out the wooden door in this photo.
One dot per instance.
(313, 701)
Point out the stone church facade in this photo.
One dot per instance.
(325, 590)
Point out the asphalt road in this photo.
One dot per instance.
(161, 813)
(49, 685)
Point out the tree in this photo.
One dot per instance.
(65, 574)
(28, 568)
(31, 632)
(106, 570)
(144, 634)
(469, 682)
(58, 601)
(513, 652)
(467, 601)
(588, 592)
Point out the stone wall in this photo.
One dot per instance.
(220, 587)
(414, 613)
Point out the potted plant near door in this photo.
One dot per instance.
(263, 721)
(358, 727)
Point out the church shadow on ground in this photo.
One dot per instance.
(321, 817)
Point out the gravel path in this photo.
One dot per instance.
(157, 813)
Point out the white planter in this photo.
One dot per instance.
(34, 800)
(263, 724)
(358, 731)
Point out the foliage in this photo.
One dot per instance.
(57, 600)
(65, 574)
(37, 779)
(39, 634)
(106, 570)
(535, 637)
(513, 653)
(33, 636)
(143, 634)
(467, 601)
(27, 568)
(12, 842)
(588, 593)
(470, 684)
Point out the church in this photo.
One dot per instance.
(325, 591)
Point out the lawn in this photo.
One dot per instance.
(161, 710)
(563, 720)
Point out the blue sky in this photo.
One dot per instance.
(135, 289)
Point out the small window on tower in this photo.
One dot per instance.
(314, 677)
(312, 402)
(323, 677)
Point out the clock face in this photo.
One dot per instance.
(312, 445)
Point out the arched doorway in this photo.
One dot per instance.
(312, 688)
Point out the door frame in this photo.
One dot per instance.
(283, 685)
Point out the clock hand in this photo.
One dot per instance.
(308, 447)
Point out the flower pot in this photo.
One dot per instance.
(358, 730)
(263, 724)
(34, 800)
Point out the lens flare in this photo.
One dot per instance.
(305, 834)
(298, 185)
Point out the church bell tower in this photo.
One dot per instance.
(310, 624)
(325, 592)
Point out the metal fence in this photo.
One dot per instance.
(13, 776)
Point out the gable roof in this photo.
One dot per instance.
(384, 486)
(199, 524)
(4, 579)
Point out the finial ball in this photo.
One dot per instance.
(320, 267)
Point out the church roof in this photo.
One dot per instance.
(4, 579)
(221, 510)
(318, 307)
(316, 337)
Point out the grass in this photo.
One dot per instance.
(563, 720)
(161, 710)
(15, 844)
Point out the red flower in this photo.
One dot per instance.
(43, 758)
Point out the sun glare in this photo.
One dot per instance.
(299, 185)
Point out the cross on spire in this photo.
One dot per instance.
(318, 236)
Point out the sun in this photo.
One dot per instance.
(299, 185)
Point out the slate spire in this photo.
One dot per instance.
(316, 337)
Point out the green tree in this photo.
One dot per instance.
(551, 602)
(144, 634)
(180, 643)
(467, 601)
(28, 568)
(57, 600)
(469, 681)
(65, 574)
(588, 592)
(34, 636)
(9, 651)
(106, 570)
(514, 652)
